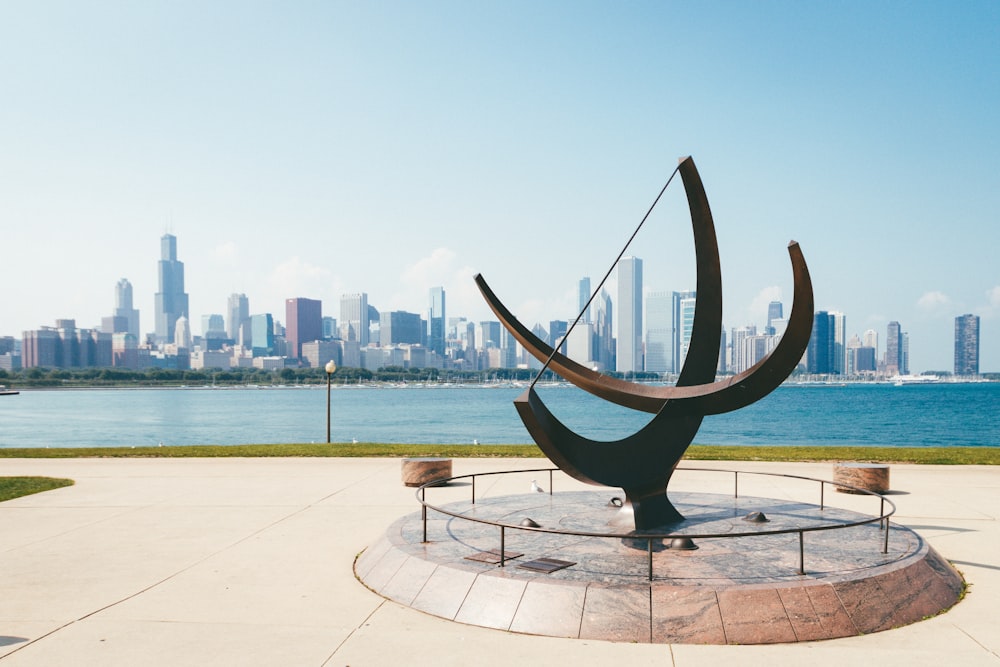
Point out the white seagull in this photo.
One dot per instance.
(535, 488)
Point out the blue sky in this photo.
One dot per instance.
(315, 149)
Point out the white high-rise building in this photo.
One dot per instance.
(685, 325)
(182, 333)
(629, 315)
(354, 318)
(237, 317)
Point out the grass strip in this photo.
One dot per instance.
(925, 455)
(15, 487)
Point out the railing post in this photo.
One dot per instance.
(885, 544)
(550, 481)
(736, 484)
(822, 487)
(473, 489)
(802, 553)
(423, 511)
(502, 547)
(649, 550)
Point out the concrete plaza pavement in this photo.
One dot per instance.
(249, 562)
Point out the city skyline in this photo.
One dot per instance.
(337, 148)
(657, 324)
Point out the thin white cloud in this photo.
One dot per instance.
(992, 308)
(757, 310)
(993, 295)
(227, 253)
(933, 301)
(294, 278)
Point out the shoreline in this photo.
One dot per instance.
(981, 455)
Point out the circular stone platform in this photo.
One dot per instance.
(743, 590)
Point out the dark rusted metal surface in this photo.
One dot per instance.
(643, 462)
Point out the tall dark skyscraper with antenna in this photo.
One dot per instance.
(171, 300)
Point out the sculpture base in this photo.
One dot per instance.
(729, 591)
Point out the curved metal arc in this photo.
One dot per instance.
(710, 398)
(659, 445)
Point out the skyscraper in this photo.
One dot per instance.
(171, 300)
(676, 358)
(685, 326)
(303, 323)
(354, 318)
(967, 345)
(237, 316)
(774, 312)
(894, 349)
(123, 306)
(629, 315)
(262, 334)
(584, 299)
(557, 334)
(819, 357)
(436, 321)
(659, 332)
(603, 319)
(839, 341)
(399, 326)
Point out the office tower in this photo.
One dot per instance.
(354, 318)
(262, 335)
(603, 323)
(819, 356)
(629, 315)
(238, 313)
(676, 359)
(967, 345)
(40, 348)
(436, 319)
(508, 349)
(488, 335)
(171, 300)
(685, 325)
(303, 323)
(400, 327)
(722, 368)
(557, 332)
(774, 312)
(904, 355)
(584, 290)
(330, 328)
(839, 341)
(580, 344)
(893, 349)
(659, 332)
(182, 332)
(851, 355)
(123, 306)
(213, 326)
(870, 339)
(739, 362)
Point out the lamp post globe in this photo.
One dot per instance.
(330, 369)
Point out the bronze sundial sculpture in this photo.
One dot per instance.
(642, 463)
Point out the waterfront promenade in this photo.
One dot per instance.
(249, 562)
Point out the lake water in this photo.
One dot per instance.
(942, 415)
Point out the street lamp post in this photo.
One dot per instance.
(330, 368)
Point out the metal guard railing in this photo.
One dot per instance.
(882, 518)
